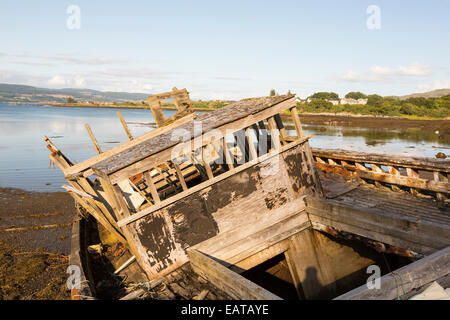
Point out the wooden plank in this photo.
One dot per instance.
(296, 121)
(206, 184)
(310, 267)
(410, 181)
(124, 124)
(260, 257)
(93, 207)
(239, 246)
(94, 141)
(205, 162)
(417, 235)
(230, 282)
(420, 163)
(274, 133)
(149, 180)
(437, 176)
(73, 170)
(228, 158)
(280, 126)
(251, 145)
(405, 279)
(180, 176)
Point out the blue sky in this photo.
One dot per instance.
(227, 49)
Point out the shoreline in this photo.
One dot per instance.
(144, 107)
(343, 115)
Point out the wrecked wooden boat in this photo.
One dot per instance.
(206, 202)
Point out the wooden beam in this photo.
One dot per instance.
(94, 141)
(296, 120)
(228, 158)
(309, 266)
(149, 180)
(124, 124)
(230, 282)
(180, 176)
(251, 145)
(403, 280)
(420, 163)
(274, 133)
(205, 162)
(407, 181)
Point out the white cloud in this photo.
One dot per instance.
(414, 69)
(57, 81)
(437, 84)
(60, 81)
(350, 76)
(382, 73)
(65, 58)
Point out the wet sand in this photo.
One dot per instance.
(35, 234)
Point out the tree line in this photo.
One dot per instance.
(378, 105)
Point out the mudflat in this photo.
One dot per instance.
(35, 234)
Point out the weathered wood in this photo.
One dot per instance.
(418, 235)
(79, 167)
(180, 177)
(296, 120)
(124, 124)
(94, 141)
(403, 280)
(228, 158)
(154, 159)
(408, 181)
(387, 160)
(230, 282)
(133, 295)
(251, 145)
(205, 163)
(309, 266)
(125, 264)
(239, 246)
(149, 180)
(96, 208)
(274, 133)
(232, 117)
(206, 184)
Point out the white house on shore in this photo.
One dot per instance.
(353, 101)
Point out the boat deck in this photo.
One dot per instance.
(418, 224)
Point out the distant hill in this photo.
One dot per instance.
(430, 94)
(22, 93)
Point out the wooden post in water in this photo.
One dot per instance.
(94, 141)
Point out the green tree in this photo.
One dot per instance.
(320, 105)
(325, 95)
(71, 100)
(355, 95)
(374, 100)
(273, 92)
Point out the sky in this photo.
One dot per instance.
(227, 49)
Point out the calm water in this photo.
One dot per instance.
(24, 159)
